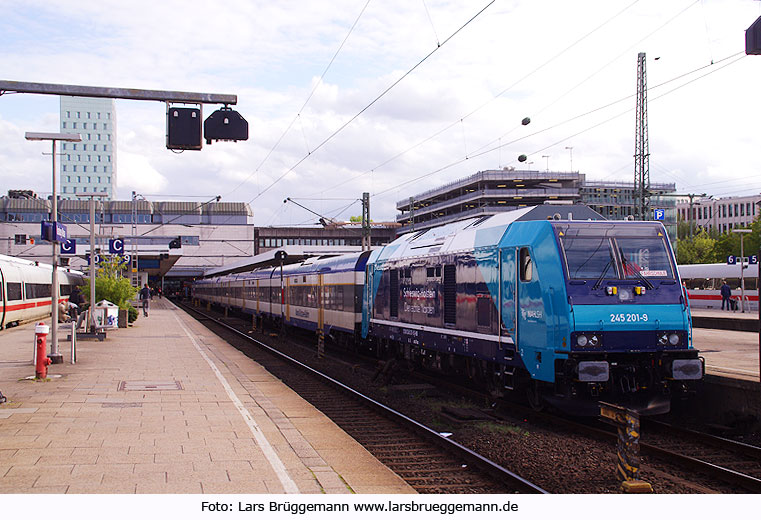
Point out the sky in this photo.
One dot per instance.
(392, 97)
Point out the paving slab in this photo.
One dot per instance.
(164, 406)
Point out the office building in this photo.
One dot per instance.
(720, 215)
(90, 165)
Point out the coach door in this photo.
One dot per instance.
(508, 273)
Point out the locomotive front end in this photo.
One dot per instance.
(630, 339)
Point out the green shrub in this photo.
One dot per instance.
(132, 314)
(111, 285)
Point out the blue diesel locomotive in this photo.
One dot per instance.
(569, 311)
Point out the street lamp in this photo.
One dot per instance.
(548, 161)
(570, 150)
(55, 356)
(742, 266)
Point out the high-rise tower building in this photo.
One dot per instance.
(88, 166)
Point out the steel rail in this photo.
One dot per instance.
(487, 466)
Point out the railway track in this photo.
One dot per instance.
(426, 460)
(725, 460)
(733, 462)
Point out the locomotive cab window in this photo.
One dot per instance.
(526, 265)
(646, 257)
(589, 258)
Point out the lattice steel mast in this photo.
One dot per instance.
(641, 147)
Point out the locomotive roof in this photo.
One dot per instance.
(477, 232)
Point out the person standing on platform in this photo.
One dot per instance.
(76, 299)
(145, 297)
(726, 292)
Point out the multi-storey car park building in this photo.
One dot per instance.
(174, 240)
(486, 193)
(721, 215)
(493, 191)
(90, 165)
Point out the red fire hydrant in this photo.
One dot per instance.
(41, 340)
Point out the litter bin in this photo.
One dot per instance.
(106, 315)
(123, 318)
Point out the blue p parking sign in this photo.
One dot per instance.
(659, 214)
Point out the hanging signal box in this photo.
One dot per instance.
(183, 128)
(753, 38)
(225, 125)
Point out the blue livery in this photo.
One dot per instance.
(570, 312)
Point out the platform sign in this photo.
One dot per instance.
(116, 246)
(731, 260)
(69, 247)
(659, 214)
(753, 259)
(96, 259)
(53, 231)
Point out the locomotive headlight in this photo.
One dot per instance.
(674, 338)
(663, 339)
(593, 340)
(581, 340)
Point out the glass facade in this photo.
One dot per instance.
(86, 116)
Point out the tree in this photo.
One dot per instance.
(729, 243)
(111, 285)
(701, 249)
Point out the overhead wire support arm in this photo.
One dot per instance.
(118, 93)
(324, 221)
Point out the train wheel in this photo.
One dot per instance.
(534, 396)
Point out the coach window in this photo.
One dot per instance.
(526, 265)
(14, 291)
(394, 293)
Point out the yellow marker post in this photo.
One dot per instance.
(627, 468)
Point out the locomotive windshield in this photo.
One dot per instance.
(589, 257)
(644, 257)
(616, 257)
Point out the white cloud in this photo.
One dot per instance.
(271, 54)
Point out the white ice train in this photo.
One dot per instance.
(26, 289)
(703, 282)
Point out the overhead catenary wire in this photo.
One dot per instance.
(599, 70)
(309, 97)
(377, 98)
(487, 103)
(737, 56)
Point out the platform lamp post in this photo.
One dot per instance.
(742, 266)
(570, 150)
(91, 321)
(55, 355)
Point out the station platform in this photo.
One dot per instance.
(165, 406)
(725, 319)
(729, 342)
